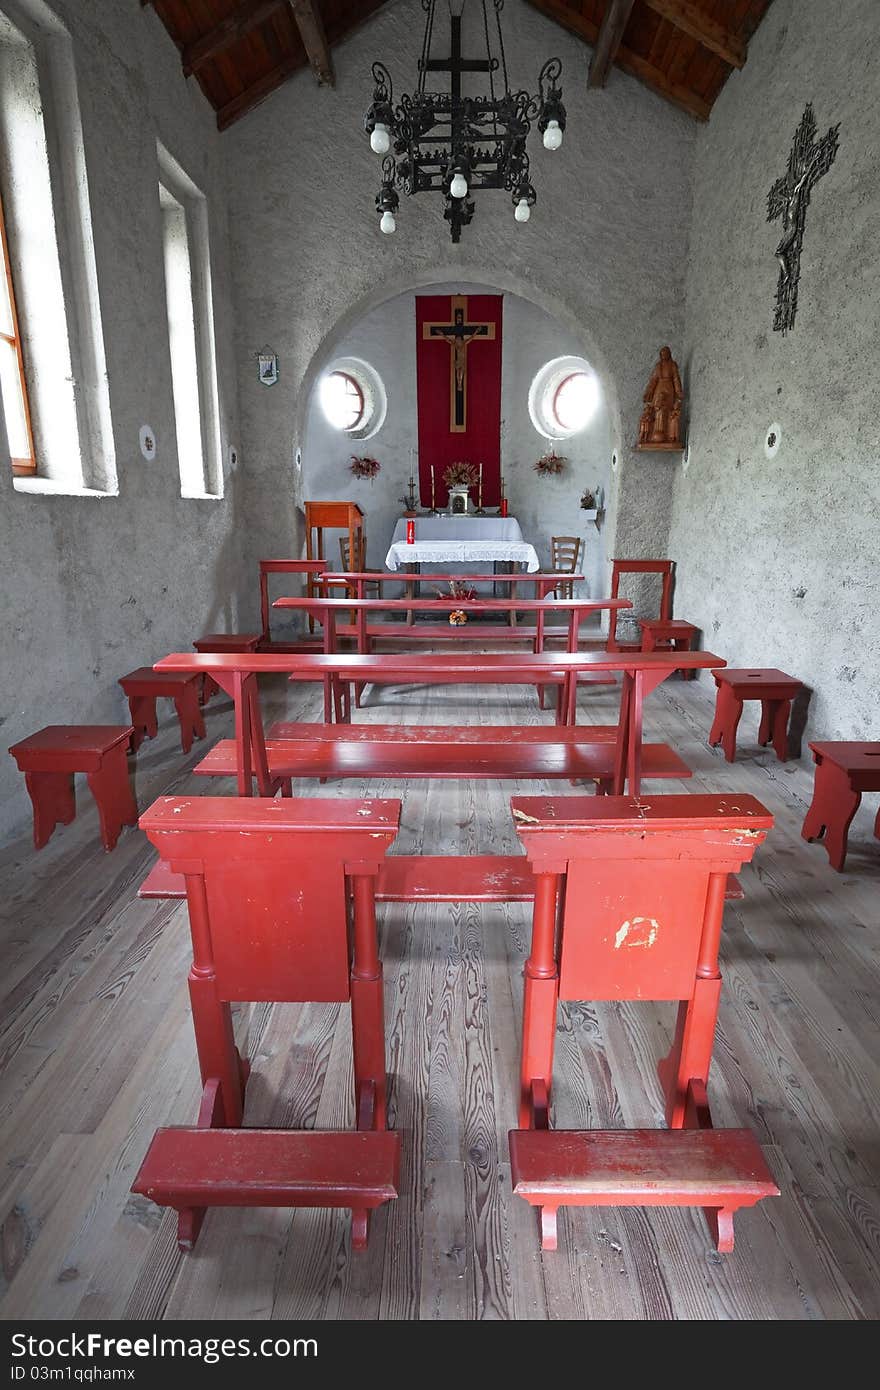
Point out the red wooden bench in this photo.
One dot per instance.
(843, 772)
(642, 672)
(270, 888)
(579, 753)
(223, 642)
(773, 688)
(145, 686)
(49, 759)
(629, 897)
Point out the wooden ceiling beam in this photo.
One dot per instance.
(311, 31)
(226, 32)
(608, 39)
(628, 61)
(253, 95)
(691, 20)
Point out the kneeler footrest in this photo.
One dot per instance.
(192, 1167)
(719, 1170)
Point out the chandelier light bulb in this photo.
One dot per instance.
(522, 212)
(387, 223)
(458, 188)
(380, 140)
(552, 136)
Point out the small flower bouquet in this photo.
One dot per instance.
(550, 464)
(461, 475)
(588, 501)
(458, 591)
(364, 467)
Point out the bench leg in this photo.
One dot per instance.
(774, 726)
(142, 712)
(189, 716)
(831, 811)
(540, 994)
(52, 798)
(728, 710)
(111, 789)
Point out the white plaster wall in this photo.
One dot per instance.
(94, 587)
(603, 254)
(777, 560)
(386, 338)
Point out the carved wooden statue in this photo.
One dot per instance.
(660, 423)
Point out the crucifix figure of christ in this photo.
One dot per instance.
(458, 334)
(789, 199)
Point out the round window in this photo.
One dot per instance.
(352, 397)
(564, 397)
(342, 401)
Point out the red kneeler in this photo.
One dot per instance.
(271, 887)
(629, 896)
(49, 759)
(144, 687)
(843, 771)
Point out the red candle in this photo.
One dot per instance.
(410, 531)
(504, 506)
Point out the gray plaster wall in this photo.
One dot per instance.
(603, 255)
(386, 338)
(96, 586)
(778, 559)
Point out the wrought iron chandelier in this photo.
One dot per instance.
(452, 144)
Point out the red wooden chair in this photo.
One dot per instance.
(666, 569)
(271, 888)
(629, 896)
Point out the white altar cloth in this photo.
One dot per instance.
(461, 552)
(461, 528)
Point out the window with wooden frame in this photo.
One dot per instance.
(13, 383)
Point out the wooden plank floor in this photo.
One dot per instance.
(96, 1051)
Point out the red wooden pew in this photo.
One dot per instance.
(629, 896)
(271, 887)
(237, 672)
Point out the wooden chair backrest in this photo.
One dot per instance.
(360, 543)
(565, 552)
(267, 887)
(637, 893)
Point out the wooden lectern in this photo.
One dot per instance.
(329, 516)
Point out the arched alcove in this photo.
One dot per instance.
(381, 332)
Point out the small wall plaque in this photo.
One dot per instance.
(267, 361)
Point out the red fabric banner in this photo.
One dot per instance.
(458, 370)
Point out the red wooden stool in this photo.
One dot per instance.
(50, 758)
(669, 633)
(224, 642)
(773, 688)
(843, 772)
(144, 686)
(640, 886)
(271, 887)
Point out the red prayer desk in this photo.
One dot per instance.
(642, 672)
(310, 568)
(843, 771)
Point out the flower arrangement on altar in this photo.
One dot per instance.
(364, 467)
(588, 501)
(461, 475)
(550, 464)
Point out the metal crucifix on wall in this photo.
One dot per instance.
(789, 199)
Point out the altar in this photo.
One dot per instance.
(461, 540)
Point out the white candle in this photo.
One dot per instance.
(432, 487)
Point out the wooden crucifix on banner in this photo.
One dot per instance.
(458, 334)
